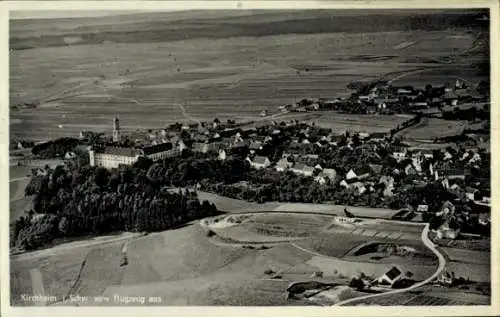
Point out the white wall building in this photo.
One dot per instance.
(113, 157)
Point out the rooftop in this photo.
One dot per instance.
(121, 151)
(393, 273)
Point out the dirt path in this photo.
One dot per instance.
(186, 115)
(442, 263)
(72, 245)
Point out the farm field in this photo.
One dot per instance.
(341, 122)
(18, 204)
(430, 128)
(186, 267)
(409, 299)
(211, 71)
(240, 206)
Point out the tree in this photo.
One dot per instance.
(63, 225)
(101, 176)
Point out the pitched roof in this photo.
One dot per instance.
(376, 168)
(362, 170)
(255, 145)
(162, 147)
(303, 167)
(450, 95)
(121, 151)
(393, 273)
(329, 171)
(283, 162)
(260, 159)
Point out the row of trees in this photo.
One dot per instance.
(55, 148)
(470, 114)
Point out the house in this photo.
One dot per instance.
(375, 168)
(200, 147)
(446, 278)
(318, 167)
(484, 219)
(344, 184)
(410, 170)
(259, 162)
(416, 162)
(453, 173)
(476, 157)
(399, 155)
(351, 175)
(455, 188)
(377, 136)
(445, 232)
(362, 172)
(69, 155)
(470, 193)
(359, 187)
(320, 179)
(222, 155)
(450, 98)
(330, 174)
(422, 208)
(391, 276)
(302, 169)
(255, 146)
(283, 164)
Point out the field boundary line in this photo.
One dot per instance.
(76, 283)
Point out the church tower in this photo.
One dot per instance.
(116, 130)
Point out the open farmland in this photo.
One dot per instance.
(18, 180)
(186, 267)
(430, 128)
(209, 69)
(341, 122)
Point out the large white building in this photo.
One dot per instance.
(113, 157)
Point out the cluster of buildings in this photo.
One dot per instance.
(382, 97)
(417, 165)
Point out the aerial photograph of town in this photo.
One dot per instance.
(333, 157)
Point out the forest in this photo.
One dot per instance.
(80, 200)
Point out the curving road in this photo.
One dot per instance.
(442, 263)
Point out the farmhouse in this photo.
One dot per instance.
(391, 276)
